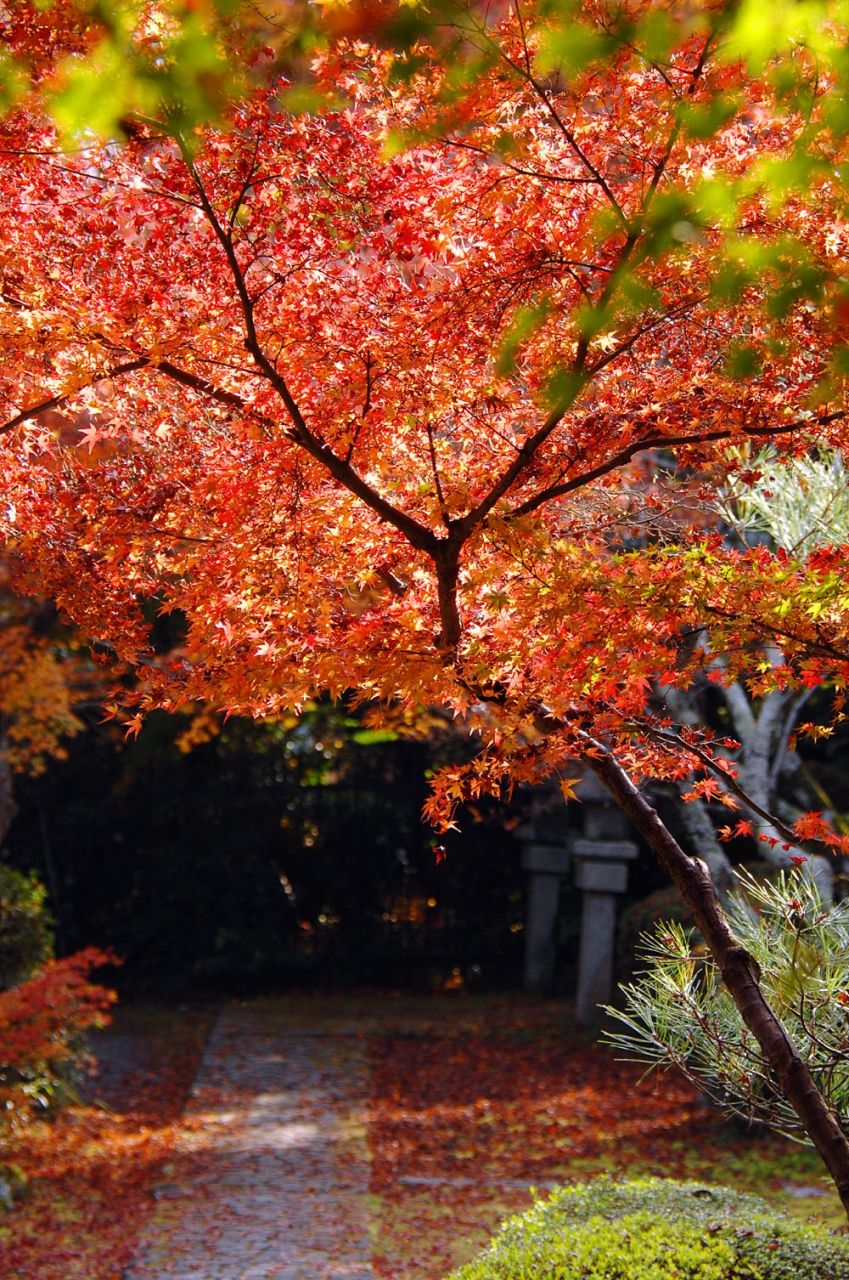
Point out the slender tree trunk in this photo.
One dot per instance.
(739, 971)
(764, 740)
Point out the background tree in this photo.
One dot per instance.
(796, 504)
(44, 670)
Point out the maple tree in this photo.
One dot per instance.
(380, 397)
(46, 1005)
(43, 1022)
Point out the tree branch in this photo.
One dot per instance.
(525, 456)
(667, 738)
(56, 402)
(661, 442)
(418, 535)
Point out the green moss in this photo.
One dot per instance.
(655, 1229)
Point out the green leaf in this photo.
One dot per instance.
(526, 322)
(304, 99)
(368, 737)
(657, 35)
(573, 48)
(98, 93)
(704, 119)
(563, 388)
(743, 361)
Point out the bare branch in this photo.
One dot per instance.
(56, 402)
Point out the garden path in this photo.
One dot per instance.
(270, 1177)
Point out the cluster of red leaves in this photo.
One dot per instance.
(90, 1170)
(43, 1018)
(459, 1130)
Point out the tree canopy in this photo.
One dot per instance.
(379, 396)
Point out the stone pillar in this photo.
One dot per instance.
(602, 855)
(545, 865)
(602, 873)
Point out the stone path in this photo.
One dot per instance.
(271, 1177)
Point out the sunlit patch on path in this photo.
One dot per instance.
(271, 1174)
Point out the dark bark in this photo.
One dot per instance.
(446, 559)
(739, 971)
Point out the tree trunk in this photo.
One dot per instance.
(739, 971)
(701, 834)
(764, 741)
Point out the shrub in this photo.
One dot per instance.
(46, 1005)
(654, 1229)
(43, 1023)
(26, 937)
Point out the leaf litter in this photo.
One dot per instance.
(473, 1101)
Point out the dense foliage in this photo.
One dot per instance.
(657, 1230)
(385, 430)
(43, 1025)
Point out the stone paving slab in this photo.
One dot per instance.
(271, 1176)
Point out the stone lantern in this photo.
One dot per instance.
(546, 857)
(601, 854)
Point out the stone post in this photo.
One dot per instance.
(602, 873)
(602, 855)
(545, 865)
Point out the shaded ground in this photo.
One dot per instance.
(471, 1101)
(461, 1128)
(91, 1169)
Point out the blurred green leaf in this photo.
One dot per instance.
(525, 323)
(573, 48)
(704, 119)
(744, 361)
(563, 388)
(368, 737)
